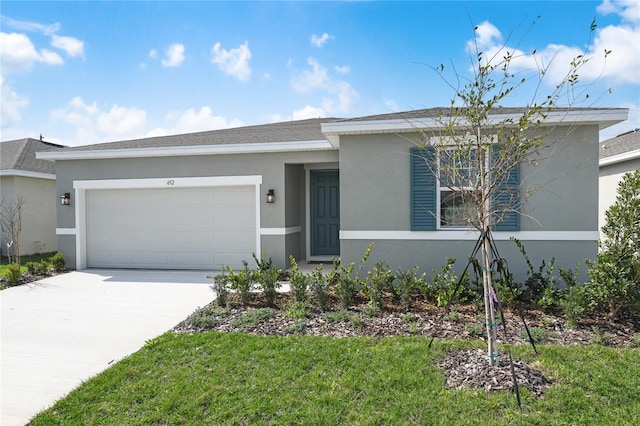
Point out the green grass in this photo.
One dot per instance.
(218, 378)
(4, 261)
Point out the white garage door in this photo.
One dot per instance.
(177, 228)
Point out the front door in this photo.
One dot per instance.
(325, 213)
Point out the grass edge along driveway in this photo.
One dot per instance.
(236, 378)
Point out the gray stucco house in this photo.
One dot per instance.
(314, 189)
(618, 156)
(21, 174)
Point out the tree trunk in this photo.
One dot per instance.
(489, 310)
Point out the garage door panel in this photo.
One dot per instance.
(179, 228)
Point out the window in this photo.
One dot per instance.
(439, 204)
(458, 175)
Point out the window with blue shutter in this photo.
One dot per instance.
(423, 190)
(425, 187)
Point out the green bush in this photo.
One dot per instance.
(444, 287)
(220, 288)
(298, 282)
(203, 318)
(319, 286)
(267, 277)
(57, 262)
(37, 268)
(615, 276)
(408, 286)
(242, 282)
(378, 281)
(12, 273)
(348, 284)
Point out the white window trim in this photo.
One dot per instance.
(469, 235)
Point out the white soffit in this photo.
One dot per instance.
(177, 151)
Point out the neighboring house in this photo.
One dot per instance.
(618, 156)
(198, 200)
(21, 174)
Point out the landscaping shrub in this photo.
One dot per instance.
(13, 273)
(348, 284)
(57, 262)
(267, 277)
(615, 276)
(203, 318)
(378, 281)
(297, 282)
(444, 287)
(242, 282)
(540, 287)
(408, 286)
(220, 288)
(37, 268)
(319, 286)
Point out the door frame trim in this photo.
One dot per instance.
(82, 186)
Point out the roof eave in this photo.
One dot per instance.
(177, 151)
(619, 158)
(28, 174)
(603, 117)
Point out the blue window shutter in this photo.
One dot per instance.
(423, 190)
(508, 196)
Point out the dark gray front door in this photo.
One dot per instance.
(325, 213)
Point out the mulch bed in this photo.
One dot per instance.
(463, 369)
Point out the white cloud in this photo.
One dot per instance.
(345, 69)
(234, 62)
(340, 94)
(175, 55)
(30, 26)
(314, 78)
(12, 105)
(190, 121)
(487, 37)
(93, 125)
(18, 54)
(320, 41)
(620, 66)
(71, 45)
(629, 10)
(153, 53)
(309, 112)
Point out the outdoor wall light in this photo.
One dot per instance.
(65, 199)
(271, 196)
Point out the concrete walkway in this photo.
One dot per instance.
(59, 332)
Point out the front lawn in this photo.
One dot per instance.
(238, 378)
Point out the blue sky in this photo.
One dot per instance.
(81, 72)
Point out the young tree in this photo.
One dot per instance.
(615, 276)
(478, 153)
(11, 226)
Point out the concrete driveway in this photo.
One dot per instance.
(59, 332)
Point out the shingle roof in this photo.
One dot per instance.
(291, 131)
(626, 142)
(20, 155)
(443, 111)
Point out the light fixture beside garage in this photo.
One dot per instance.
(65, 199)
(271, 196)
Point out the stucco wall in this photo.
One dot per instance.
(375, 196)
(38, 233)
(610, 177)
(271, 167)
